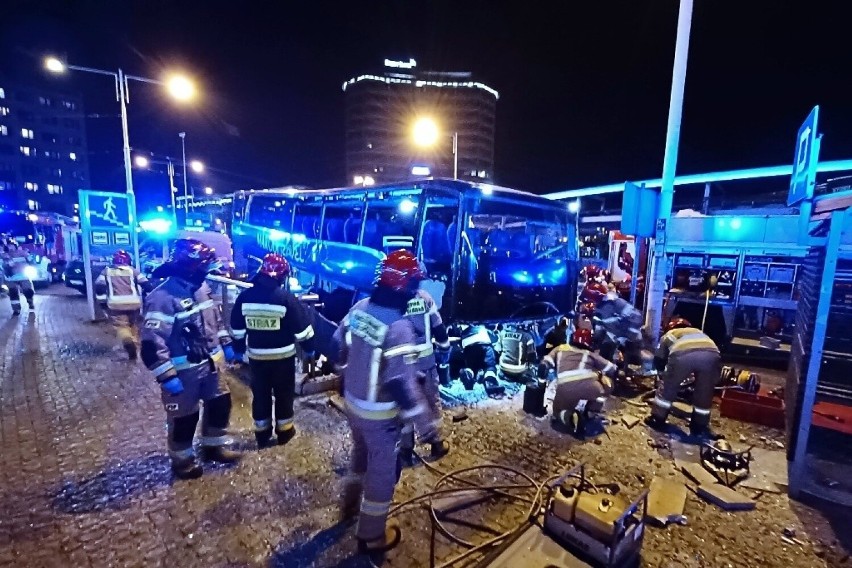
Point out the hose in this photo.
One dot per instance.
(706, 306)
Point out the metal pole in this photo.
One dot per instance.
(172, 189)
(657, 281)
(128, 171)
(185, 180)
(705, 203)
(455, 155)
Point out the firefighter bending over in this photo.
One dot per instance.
(378, 345)
(119, 290)
(583, 380)
(267, 321)
(683, 351)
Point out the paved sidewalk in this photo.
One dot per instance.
(84, 479)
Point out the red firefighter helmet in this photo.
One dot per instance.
(676, 323)
(191, 255)
(275, 266)
(399, 271)
(582, 338)
(593, 292)
(121, 258)
(587, 309)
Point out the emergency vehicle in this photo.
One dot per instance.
(50, 240)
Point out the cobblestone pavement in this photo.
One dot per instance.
(84, 479)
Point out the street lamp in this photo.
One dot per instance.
(208, 191)
(142, 162)
(180, 87)
(196, 166)
(426, 133)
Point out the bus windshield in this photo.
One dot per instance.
(518, 260)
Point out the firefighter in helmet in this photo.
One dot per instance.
(685, 350)
(181, 346)
(423, 314)
(583, 380)
(267, 321)
(618, 324)
(14, 261)
(119, 289)
(379, 347)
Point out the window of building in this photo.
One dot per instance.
(74, 141)
(53, 188)
(56, 172)
(45, 101)
(49, 137)
(30, 170)
(73, 156)
(52, 154)
(30, 186)
(27, 133)
(7, 185)
(3, 130)
(2, 93)
(32, 205)
(27, 151)
(78, 175)
(4, 111)
(51, 120)
(68, 105)
(71, 123)
(26, 115)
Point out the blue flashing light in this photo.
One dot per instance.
(160, 209)
(157, 225)
(736, 223)
(574, 206)
(348, 265)
(487, 190)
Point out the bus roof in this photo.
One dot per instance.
(432, 183)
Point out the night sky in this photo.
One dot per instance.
(584, 86)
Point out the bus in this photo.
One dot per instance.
(49, 239)
(492, 254)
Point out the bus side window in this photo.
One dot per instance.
(395, 219)
(439, 235)
(340, 218)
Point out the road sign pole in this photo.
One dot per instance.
(128, 169)
(86, 226)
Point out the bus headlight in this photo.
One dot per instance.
(31, 273)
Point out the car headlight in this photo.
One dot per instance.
(30, 272)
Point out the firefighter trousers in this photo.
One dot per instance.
(201, 384)
(429, 383)
(589, 394)
(705, 364)
(17, 288)
(126, 325)
(273, 377)
(375, 463)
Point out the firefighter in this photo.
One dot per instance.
(685, 350)
(428, 325)
(517, 352)
(480, 359)
(181, 347)
(583, 380)
(378, 345)
(17, 279)
(557, 335)
(119, 289)
(619, 324)
(267, 321)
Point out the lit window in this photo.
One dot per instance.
(27, 151)
(30, 186)
(2, 93)
(27, 133)
(3, 130)
(45, 101)
(69, 105)
(32, 205)
(76, 207)
(4, 185)
(4, 111)
(54, 189)
(73, 156)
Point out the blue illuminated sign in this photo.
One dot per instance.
(639, 210)
(805, 158)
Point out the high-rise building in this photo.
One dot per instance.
(382, 109)
(43, 153)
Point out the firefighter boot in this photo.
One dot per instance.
(186, 468)
(130, 346)
(264, 438)
(656, 423)
(384, 543)
(704, 433)
(220, 454)
(285, 436)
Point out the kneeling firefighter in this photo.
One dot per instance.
(427, 323)
(378, 345)
(583, 380)
(683, 351)
(619, 325)
(119, 289)
(517, 352)
(181, 347)
(480, 358)
(267, 321)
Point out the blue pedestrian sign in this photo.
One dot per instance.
(805, 158)
(109, 211)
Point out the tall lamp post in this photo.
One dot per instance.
(426, 134)
(179, 87)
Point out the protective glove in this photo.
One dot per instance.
(172, 386)
(442, 356)
(230, 354)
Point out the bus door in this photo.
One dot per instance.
(439, 245)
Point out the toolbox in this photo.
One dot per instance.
(755, 408)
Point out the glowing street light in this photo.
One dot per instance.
(180, 88)
(54, 65)
(142, 162)
(426, 133)
(208, 191)
(196, 166)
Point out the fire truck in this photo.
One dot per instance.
(50, 240)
